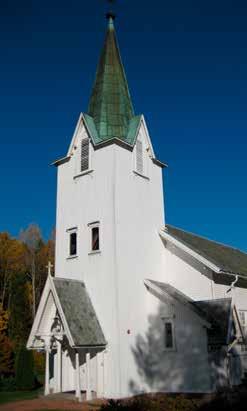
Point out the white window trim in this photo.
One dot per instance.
(69, 232)
(90, 227)
(174, 346)
(83, 173)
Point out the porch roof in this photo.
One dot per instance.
(79, 312)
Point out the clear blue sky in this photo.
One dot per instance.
(186, 63)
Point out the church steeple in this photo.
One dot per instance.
(110, 103)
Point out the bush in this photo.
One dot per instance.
(227, 401)
(24, 369)
(154, 402)
(7, 384)
(135, 404)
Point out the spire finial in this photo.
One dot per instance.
(111, 15)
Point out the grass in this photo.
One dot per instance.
(17, 396)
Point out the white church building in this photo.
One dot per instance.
(135, 305)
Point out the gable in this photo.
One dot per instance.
(48, 315)
(80, 133)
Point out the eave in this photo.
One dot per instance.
(204, 261)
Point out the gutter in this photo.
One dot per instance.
(60, 161)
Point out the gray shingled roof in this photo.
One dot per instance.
(79, 313)
(228, 259)
(215, 312)
(179, 296)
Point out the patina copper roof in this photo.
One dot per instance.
(110, 103)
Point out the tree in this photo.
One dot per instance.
(32, 238)
(12, 261)
(45, 254)
(20, 311)
(24, 369)
(6, 347)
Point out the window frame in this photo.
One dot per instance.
(169, 321)
(70, 232)
(91, 226)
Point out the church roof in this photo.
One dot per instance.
(79, 313)
(215, 312)
(228, 259)
(110, 113)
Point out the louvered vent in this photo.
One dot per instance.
(84, 154)
(139, 157)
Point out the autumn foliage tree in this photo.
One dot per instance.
(23, 272)
(6, 346)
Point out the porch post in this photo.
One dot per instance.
(59, 366)
(88, 392)
(47, 370)
(78, 385)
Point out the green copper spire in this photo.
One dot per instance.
(110, 103)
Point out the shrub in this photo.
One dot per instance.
(24, 369)
(154, 402)
(7, 384)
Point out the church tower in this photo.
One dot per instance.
(109, 212)
(110, 208)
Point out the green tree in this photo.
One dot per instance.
(32, 238)
(24, 369)
(20, 319)
(12, 261)
(6, 346)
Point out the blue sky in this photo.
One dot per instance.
(186, 64)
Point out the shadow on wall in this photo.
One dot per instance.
(183, 369)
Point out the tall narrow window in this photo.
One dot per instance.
(84, 154)
(95, 238)
(73, 244)
(168, 335)
(139, 157)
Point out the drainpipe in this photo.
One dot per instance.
(232, 286)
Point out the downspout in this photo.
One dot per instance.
(236, 339)
(232, 286)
